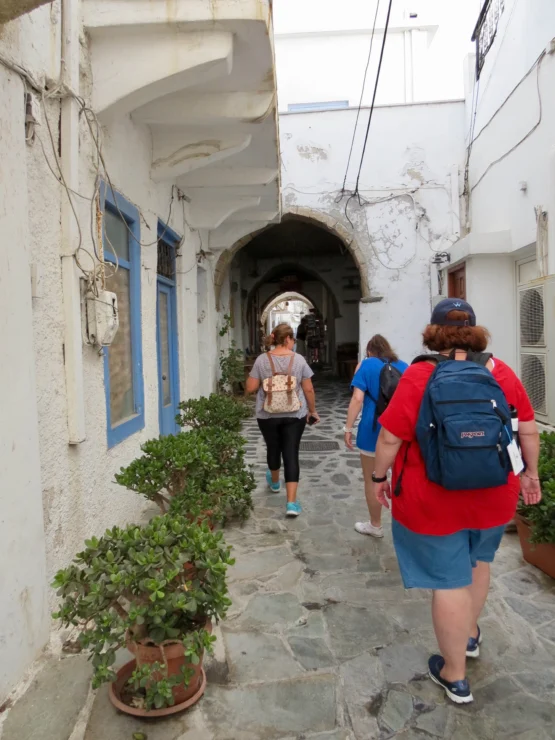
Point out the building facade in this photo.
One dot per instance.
(130, 133)
(505, 262)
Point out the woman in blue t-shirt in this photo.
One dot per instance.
(366, 386)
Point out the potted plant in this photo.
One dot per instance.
(536, 524)
(166, 465)
(153, 589)
(180, 471)
(221, 499)
(217, 411)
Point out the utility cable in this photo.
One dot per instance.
(374, 95)
(356, 191)
(361, 99)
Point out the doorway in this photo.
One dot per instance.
(166, 335)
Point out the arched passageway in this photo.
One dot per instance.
(289, 307)
(304, 257)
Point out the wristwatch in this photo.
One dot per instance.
(347, 430)
(378, 480)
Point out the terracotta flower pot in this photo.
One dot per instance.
(116, 688)
(206, 518)
(170, 652)
(541, 556)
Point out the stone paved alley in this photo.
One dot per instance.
(322, 641)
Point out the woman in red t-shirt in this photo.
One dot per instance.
(445, 540)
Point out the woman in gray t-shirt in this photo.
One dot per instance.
(282, 432)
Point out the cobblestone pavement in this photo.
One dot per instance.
(322, 641)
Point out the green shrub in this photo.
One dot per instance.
(132, 583)
(542, 516)
(232, 369)
(219, 411)
(167, 464)
(223, 498)
(193, 473)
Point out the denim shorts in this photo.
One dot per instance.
(443, 562)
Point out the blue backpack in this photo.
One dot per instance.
(464, 424)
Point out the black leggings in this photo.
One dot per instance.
(283, 438)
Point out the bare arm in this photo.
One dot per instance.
(252, 386)
(387, 447)
(386, 451)
(355, 406)
(308, 390)
(530, 445)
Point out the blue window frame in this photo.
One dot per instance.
(330, 105)
(166, 329)
(123, 360)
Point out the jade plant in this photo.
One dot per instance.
(218, 411)
(223, 498)
(181, 471)
(151, 584)
(542, 516)
(167, 464)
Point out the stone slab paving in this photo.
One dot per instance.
(322, 641)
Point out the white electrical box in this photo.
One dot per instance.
(102, 319)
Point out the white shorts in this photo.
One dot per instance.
(366, 453)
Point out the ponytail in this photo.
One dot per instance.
(278, 336)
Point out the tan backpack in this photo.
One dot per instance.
(281, 390)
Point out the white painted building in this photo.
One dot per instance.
(181, 97)
(409, 183)
(505, 264)
(322, 51)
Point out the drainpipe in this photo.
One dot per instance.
(73, 345)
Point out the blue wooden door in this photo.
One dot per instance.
(168, 381)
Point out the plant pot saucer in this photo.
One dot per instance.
(123, 676)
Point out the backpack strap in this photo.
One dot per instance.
(437, 358)
(289, 381)
(398, 485)
(272, 366)
(271, 379)
(481, 358)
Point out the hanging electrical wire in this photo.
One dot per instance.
(374, 96)
(342, 193)
(356, 192)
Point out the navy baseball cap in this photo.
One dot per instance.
(443, 308)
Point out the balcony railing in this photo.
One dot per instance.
(486, 30)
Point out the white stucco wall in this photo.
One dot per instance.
(24, 621)
(505, 118)
(511, 166)
(55, 495)
(409, 162)
(493, 301)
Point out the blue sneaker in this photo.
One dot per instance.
(473, 646)
(457, 691)
(293, 510)
(274, 487)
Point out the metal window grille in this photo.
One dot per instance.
(532, 321)
(533, 375)
(166, 261)
(486, 30)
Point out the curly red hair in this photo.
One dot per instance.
(441, 338)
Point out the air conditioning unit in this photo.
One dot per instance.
(536, 325)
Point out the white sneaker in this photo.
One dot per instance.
(369, 529)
